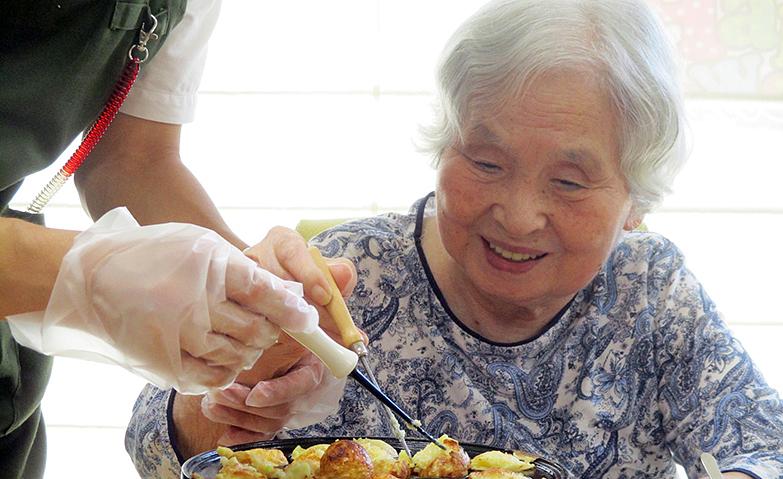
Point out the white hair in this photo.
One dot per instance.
(496, 53)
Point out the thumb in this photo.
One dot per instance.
(344, 274)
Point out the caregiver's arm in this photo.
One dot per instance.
(30, 257)
(137, 164)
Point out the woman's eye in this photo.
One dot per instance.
(483, 165)
(478, 160)
(569, 185)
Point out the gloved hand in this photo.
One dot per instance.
(307, 394)
(174, 303)
(283, 252)
(288, 387)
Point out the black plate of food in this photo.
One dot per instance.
(207, 464)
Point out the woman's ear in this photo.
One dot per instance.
(633, 220)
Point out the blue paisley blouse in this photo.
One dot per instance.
(638, 372)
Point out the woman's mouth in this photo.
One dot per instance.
(516, 257)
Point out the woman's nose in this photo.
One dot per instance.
(522, 211)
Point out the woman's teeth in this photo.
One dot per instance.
(510, 255)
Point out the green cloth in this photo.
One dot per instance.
(23, 377)
(59, 60)
(310, 228)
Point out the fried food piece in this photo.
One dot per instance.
(251, 464)
(312, 453)
(385, 460)
(433, 461)
(524, 456)
(497, 473)
(500, 460)
(305, 463)
(233, 469)
(377, 448)
(345, 459)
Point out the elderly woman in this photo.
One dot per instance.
(516, 306)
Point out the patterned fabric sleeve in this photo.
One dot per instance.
(712, 397)
(147, 436)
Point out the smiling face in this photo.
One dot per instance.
(530, 206)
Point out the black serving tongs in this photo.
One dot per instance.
(376, 391)
(342, 362)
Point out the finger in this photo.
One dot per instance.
(344, 274)
(264, 254)
(234, 417)
(365, 338)
(225, 415)
(236, 435)
(284, 253)
(219, 350)
(281, 390)
(234, 397)
(295, 258)
(281, 411)
(247, 327)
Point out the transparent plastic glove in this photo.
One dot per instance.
(174, 303)
(306, 395)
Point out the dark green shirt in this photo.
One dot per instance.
(59, 61)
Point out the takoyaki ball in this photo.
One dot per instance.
(433, 461)
(385, 459)
(377, 448)
(345, 459)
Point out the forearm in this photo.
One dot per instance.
(169, 193)
(30, 258)
(193, 433)
(137, 165)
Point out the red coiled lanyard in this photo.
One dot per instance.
(137, 54)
